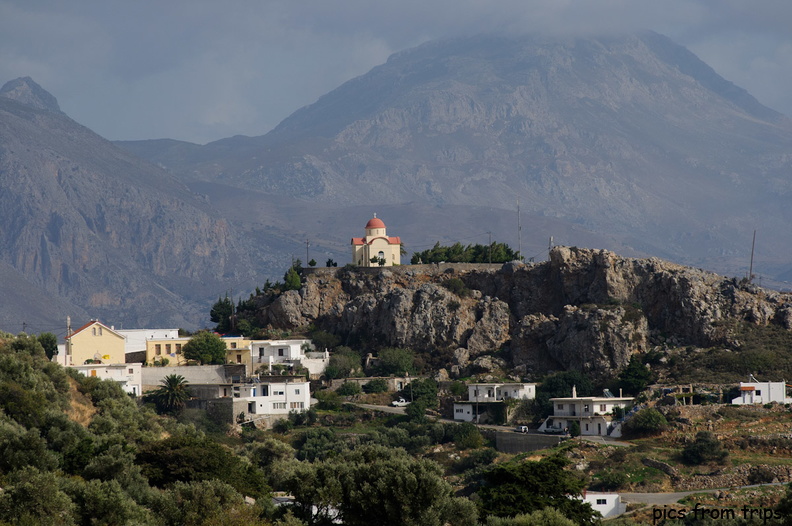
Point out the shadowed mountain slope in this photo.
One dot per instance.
(99, 231)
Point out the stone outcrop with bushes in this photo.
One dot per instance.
(584, 309)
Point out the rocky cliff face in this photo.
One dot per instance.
(587, 310)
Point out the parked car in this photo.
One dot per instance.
(401, 402)
(521, 429)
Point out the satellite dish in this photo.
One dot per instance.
(97, 356)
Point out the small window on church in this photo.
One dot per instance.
(381, 254)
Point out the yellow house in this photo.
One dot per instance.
(238, 351)
(170, 349)
(376, 244)
(97, 342)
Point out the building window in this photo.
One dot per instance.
(279, 405)
(281, 352)
(603, 408)
(131, 371)
(585, 408)
(460, 410)
(560, 407)
(157, 349)
(586, 427)
(297, 405)
(167, 348)
(93, 331)
(296, 391)
(178, 348)
(758, 392)
(602, 502)
(100, 331)
(233, 345)
(278, 393)
(93, 372)
(239, 358)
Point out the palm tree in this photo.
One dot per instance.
(173, 394)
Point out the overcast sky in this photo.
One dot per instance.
(201, 70)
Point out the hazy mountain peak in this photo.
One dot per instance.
(25, 91)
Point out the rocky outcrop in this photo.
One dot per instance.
(587, 310)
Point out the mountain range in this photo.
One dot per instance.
(627, 143)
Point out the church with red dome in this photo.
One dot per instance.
(376, 249)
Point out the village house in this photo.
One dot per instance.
(594, 414)
(288, 353)
(756, 392)
(607, 504)
(488, 398)
(128, 375)
(136, 338)
(376, 249)
(94, 342)
(166, 351)
(259, 400)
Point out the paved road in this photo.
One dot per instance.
(659, 499)
(383, 408)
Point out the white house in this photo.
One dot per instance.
(136, 338)
(608, 504)
(267, 400)
(756, 392)
(127, 374)
(289, 353)
(481, 396)
(592, 413)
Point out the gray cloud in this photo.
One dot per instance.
(202, 70)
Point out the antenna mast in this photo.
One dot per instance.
(519, 231)
(750, 269)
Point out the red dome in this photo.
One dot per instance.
(375, 223)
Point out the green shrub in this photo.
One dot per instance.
(349, 389)
(458, 287)
(378, 385)
(646, 422)
(706, 448)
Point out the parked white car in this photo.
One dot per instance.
(401, 402)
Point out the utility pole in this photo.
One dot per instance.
(490, 247)
(307, 244)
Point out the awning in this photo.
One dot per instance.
(747, 388)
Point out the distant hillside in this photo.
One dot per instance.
(633, 139)
(98, 232)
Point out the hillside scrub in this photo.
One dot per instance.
(114, 467)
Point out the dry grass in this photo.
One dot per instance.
(81, 410)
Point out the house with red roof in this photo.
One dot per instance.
(376, 248)
(96, 343)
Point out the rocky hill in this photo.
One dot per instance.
(587, 310)
(631, 138)
(86, 229)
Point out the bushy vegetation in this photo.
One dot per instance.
(79, 450)
(705, 449)
(458, 253)
(646, 422)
